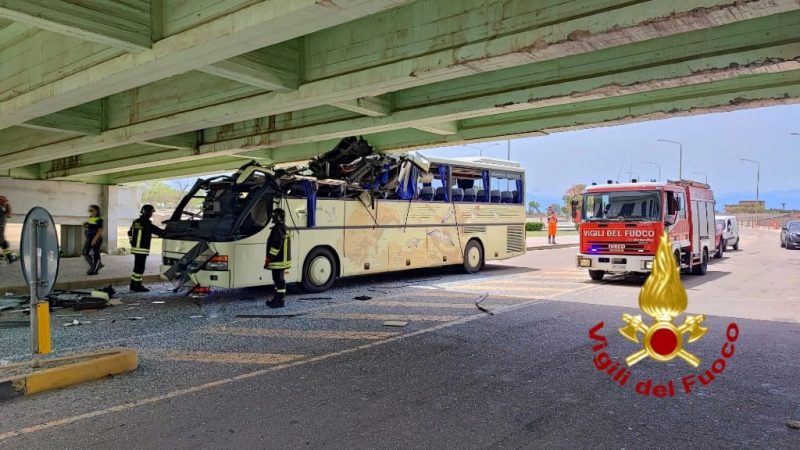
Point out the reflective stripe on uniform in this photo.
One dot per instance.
(274, 251)
(140, 251)
(137, 277)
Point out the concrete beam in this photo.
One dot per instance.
(86, 119)
(368, 106)
(122, 25)
(440, 128)
(237, 33)
(275, 68)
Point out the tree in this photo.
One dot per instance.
(161, 195)
(574, 193)
(533, 205)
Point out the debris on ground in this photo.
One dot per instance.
(795, 424)
(362, 298)
(269, 316)
(89, 303)
(308, 299)
(158, 302)
(77, 322)
(395, 323)
(115, 302)
(133, 318)
(197, 317)
(14, 323)
(481, 307)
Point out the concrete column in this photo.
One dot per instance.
(111, 213)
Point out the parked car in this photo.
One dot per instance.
(730, 233)
(718, 238)
(790, 235)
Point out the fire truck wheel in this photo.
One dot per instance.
(473, 256)
(597, 275)
(319, 270)
(701, 268)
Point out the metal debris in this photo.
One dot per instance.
(197, 317)
(77, 322)
(395, 323)
(481, 307)
(133, 318)
(158, 302)
(362, 298)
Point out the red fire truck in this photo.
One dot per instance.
(620, 225)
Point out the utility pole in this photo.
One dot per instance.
(680, 156)
(758, 181)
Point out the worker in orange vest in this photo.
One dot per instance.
(552, 222)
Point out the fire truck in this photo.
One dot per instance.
(620, 225)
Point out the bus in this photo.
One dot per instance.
(411, 212)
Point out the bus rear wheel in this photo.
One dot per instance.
(473, 257)
(319, 270)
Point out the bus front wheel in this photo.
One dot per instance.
(473, 257)
(319, 270)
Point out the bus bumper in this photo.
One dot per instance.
(615, 263)
(206, 278)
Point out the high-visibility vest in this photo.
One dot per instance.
(279, 249)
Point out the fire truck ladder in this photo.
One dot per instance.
(191, 262)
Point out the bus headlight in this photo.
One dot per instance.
(584, 262)
(647, 265)
(219, 262)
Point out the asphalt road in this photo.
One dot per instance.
(454, 377)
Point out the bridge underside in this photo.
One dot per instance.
(133, 90)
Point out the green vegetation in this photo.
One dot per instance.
(534, 226)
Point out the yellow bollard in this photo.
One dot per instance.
(43, 327)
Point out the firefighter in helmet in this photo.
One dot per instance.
(279, 256)
(140, 235)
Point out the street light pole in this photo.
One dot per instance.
(701, 173)
(758, 181)
(657, 165)
(680, 161)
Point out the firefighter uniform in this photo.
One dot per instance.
(140, 235)
(552, 226)
(93, 232)
(279, 257)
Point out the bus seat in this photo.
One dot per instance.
(495, 196)
(506, 197)
(439, 194)
(426, 193)
(517, 198)
(469, 195)
(480, 196)
(457, 194)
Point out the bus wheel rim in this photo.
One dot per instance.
(320, 270)
(474, 257)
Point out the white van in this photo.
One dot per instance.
(730, 231)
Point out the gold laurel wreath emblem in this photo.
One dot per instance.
(663, 298)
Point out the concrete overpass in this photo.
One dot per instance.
(113, 92)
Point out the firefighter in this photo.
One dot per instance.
(279, 256)
(552, 224)
(140, 235)
(5, 214)
(93, 230)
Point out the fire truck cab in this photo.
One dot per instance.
(620, 225)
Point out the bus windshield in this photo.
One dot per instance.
(632, 205)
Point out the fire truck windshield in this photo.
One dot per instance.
(622, 206)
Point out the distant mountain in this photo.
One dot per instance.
(773, 199)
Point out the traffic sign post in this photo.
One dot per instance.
(39, 257)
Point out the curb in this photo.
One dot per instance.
(85, 284)
(101, 365)
(550, 247)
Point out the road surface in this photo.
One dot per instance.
(454, 377)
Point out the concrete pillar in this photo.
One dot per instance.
(111, 213)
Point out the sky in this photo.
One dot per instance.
(712, 144)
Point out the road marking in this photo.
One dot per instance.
(222, 357)
(385, 317)
(310, 334)
(245, 376)
(424, 304)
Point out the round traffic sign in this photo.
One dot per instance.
(39, 241)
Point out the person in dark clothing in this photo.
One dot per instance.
(5, 214)
(140, 235)
(279, 256)
(93, 229)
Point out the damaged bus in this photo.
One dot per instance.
(352, 211)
